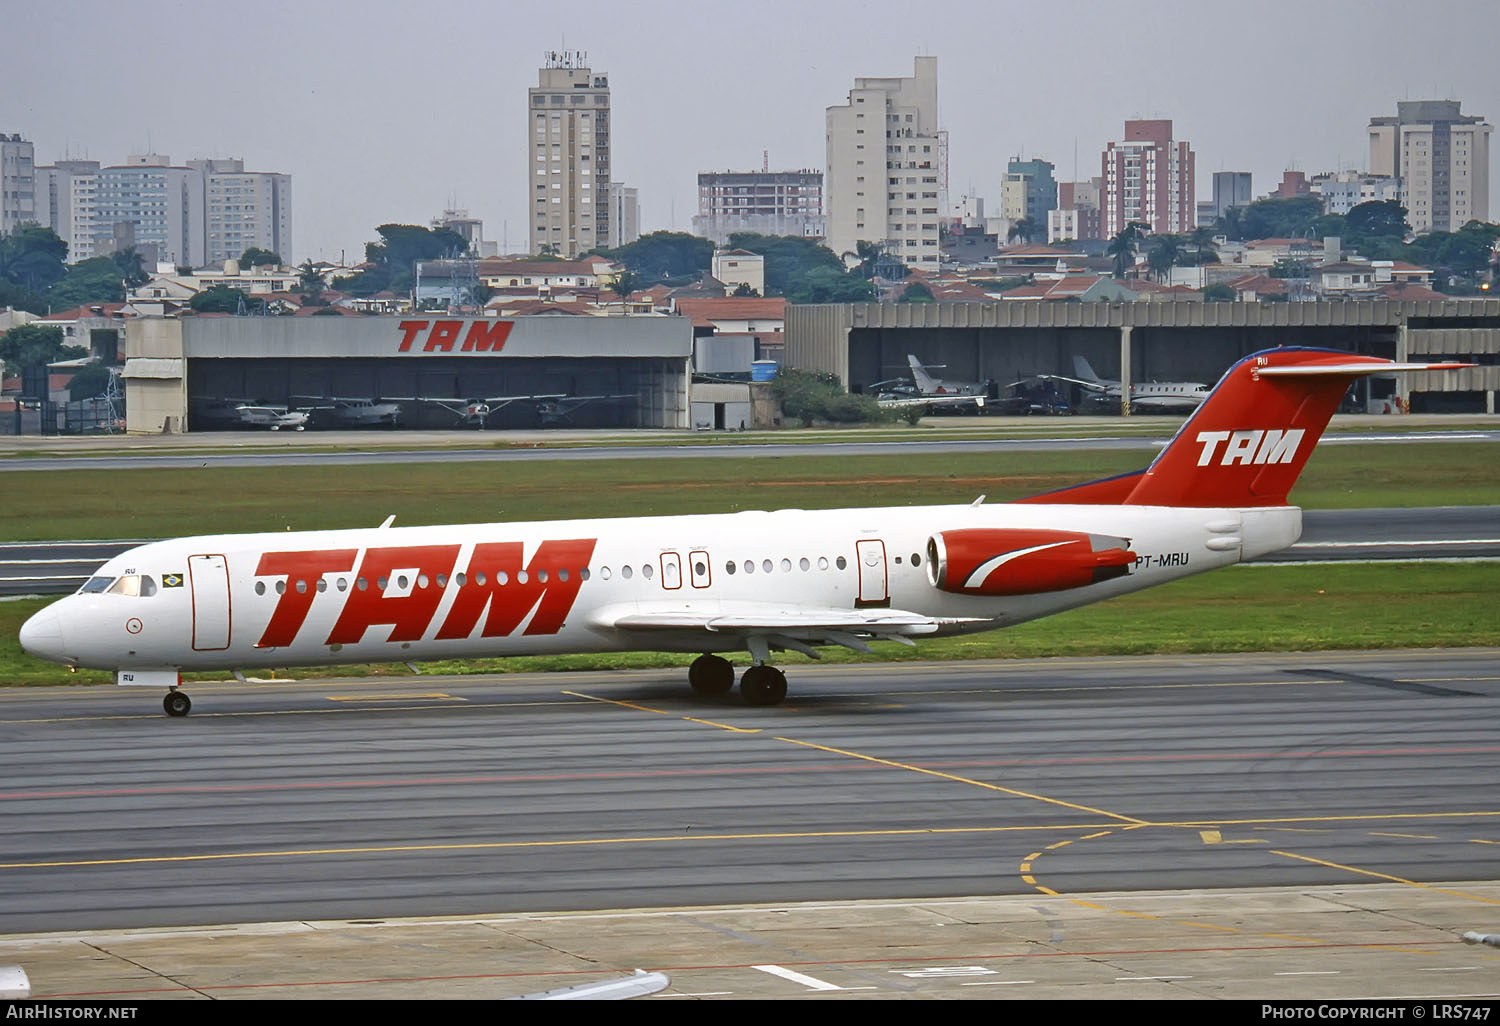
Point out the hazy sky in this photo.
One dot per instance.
(390, 111)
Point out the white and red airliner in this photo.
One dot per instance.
(756, 582)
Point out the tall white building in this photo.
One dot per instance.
(1442, 158)
(67, 200)
(569, 156)
(243, 209)
(196, 215)
(17, 183)
(884, 167)
(624, 203)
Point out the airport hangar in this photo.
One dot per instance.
(1006, 341)
(174, 362)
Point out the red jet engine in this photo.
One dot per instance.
(1015, 561)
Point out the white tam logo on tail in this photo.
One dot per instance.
(1252, 447)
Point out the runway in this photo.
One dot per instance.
(1038, 784)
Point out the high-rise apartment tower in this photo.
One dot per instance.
(569, 145)
(1148, 178)
(884, 167)
(1442, 158)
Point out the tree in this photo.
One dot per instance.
(867, 259)
(664, 255)
(1122, 247)
(788, 258)
(1026, 229)
(916, 292)
(1219, 293)
(624, 284)
(93, 380)
(1165, 252)
(256, 257)
(32, 257)
(808, 397)
(394, 258)
(310, 282)
(97, 280)
(31, 345)
(826, 285)
(132, 267)
(1381, 218)
(743, 290)
(1203, 246)
(218, 299)
(1280, 218)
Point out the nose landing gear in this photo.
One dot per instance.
(176, 703)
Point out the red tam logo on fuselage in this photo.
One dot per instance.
(484, 336)
(398, 586)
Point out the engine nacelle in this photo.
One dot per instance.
(1018, 561)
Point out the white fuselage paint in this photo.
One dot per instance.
(675, 564)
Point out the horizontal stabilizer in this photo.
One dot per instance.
(1357, 369)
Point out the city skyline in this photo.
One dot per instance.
(413, 112)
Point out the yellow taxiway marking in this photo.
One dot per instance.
(1215, 837)
(965, 780)
(1383, 876)
(436, 695)
(584, 842)
(1412, 837)
(663, 712)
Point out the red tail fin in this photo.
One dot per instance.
(1250, 439)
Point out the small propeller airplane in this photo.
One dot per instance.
(755, 582)
(550, 409)
(355, 411)
(930, 392)
(228, 413)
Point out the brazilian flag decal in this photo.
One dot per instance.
(171, 580)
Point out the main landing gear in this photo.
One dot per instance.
(759, 684)
(176, 703)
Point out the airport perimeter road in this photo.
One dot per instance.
(1447, 532)
(563, 792)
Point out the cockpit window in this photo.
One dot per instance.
(134, 586)
(95, 585)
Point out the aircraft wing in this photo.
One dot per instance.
(1094, 386)
(932, 400)
(781, 626)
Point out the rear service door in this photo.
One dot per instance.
(209, 578)
(869, 553)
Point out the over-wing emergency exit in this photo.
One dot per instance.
(752, 582)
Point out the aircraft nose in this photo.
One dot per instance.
(42, 636)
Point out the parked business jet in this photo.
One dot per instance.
(933, 393)
(756, 582)
(1145, 396)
